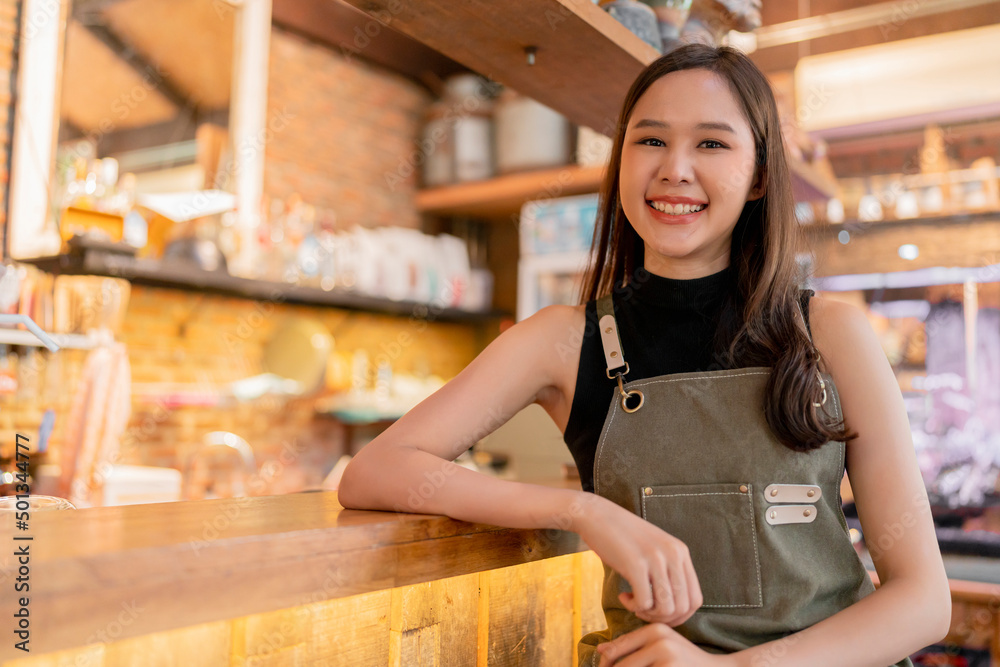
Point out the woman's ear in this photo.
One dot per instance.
(759, 186)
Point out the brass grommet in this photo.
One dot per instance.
(743, 488)
(648, 491)
(614, 354)
(629, 395)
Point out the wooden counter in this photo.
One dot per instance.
(101, 576)
(298, 579)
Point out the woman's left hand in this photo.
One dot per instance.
(656, 645)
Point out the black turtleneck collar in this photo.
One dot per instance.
(689, 294)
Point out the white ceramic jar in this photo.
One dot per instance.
(529, 135)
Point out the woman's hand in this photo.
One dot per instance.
(656, 564)
(656, 645)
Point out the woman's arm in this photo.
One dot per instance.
(409, 467)
(912, 607)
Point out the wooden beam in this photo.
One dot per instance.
(584, 59)
(353, 34)
(897, 27)
(143, 68)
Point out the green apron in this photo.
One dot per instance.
(764, 524)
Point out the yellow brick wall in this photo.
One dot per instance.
(191, 342)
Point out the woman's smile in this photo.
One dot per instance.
(676, 210)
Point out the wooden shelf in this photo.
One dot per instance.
(585, 60)
(503, 196)
(64, 341)
(181, 276)
(808, 184)
(970, 217)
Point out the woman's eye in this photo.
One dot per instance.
(646, 142)
(714, 144)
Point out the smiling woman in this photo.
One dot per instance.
(711, 411)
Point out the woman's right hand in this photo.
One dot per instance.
(657, 565)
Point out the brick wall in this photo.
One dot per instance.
(349, 127)
(186, 343)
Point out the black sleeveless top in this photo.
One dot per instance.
(666, 325)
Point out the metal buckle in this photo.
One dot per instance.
(625, 395)
(612, 377)
(822, 385)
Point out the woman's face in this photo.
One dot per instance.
(688, 164)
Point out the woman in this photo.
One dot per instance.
(710, 405)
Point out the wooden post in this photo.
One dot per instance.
(36, 119)
(248, 121)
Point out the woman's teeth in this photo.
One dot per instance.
(676, 209)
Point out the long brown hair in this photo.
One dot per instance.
(761, 325)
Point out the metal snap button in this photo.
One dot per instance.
(743, 488)
(811, 493)
(806, 513)
(614, 354)
(774, 492)
(648, 491)
(774, 515)
(608, 330)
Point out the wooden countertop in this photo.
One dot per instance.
(171, 565)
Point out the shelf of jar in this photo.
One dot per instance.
(182, 276)
(503, 196)
(941, 219)
(584, 60)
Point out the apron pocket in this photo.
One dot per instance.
(716, 522)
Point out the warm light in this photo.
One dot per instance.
(744, 41)
(844, 236)
(909, 251)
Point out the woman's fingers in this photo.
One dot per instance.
(631, 643)
(678, 584)
(642, 596)
(694, 588)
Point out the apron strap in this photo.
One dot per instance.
(609, 337)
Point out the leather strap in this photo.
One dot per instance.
(609, 335)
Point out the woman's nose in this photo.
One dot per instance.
(675, 167)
